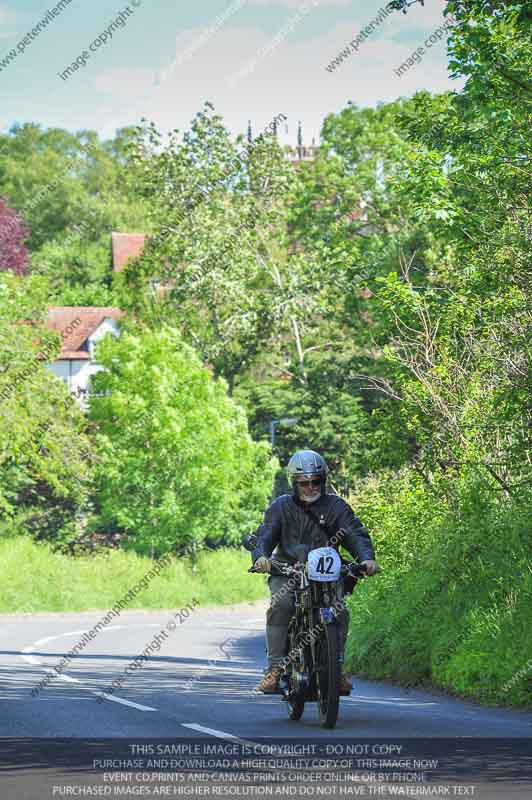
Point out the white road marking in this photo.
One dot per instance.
(272, 748)
(42, 641)
(47, 639)
(31, 659)
(122, 701)
(67, 678)
(219, 734)
(222, 664)
(368, 697)
(405, 704)
(27, 655)
(28, 651)
(234, 628)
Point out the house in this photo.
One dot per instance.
(126, 246)
(81, 328)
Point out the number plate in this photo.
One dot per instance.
(324, 564)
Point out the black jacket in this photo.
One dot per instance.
(287, 524)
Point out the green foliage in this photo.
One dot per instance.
(44, 451)
(178, 466)
(491, 46)
(57, 180)
(347, 426)
(72, 190)
(38, 579)
(229, 286)
(90, 294)
(418, 215)
(74, 261)
(452, 604)
(381, 295)
(446, 310)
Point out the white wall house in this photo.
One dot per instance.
(80, 328)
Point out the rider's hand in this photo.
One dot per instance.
(371, 566)
(263, 564)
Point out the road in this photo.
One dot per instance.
(199, 685)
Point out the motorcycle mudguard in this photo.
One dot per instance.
(327, 615)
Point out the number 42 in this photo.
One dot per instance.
(320, 566)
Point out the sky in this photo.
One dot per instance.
(253, 59)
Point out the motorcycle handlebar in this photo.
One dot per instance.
(282, 568)
(278, 568)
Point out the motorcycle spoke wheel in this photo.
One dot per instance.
(295, 705)
(328, 677)
(295, 709)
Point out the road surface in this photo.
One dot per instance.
(200, 686)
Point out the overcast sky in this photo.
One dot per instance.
(252, 59)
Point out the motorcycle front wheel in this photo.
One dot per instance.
(328, 676)
(294, 705)
(295, 709)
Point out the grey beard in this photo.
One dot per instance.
(313, 499)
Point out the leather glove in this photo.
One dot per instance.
(263, 564)
(371, 566)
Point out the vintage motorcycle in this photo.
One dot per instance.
(311, 670)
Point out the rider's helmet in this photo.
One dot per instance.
(307, 474)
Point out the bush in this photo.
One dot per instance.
(177, 464)
(452, 605)
(45, 460)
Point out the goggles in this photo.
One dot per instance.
(314, 482)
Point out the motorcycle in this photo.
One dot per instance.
(311, 670)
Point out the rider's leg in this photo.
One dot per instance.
(277, 618)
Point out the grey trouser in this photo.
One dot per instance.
(278, 616)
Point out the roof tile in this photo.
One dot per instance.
(126, 246)
(75, 324)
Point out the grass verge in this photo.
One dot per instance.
(36, 579)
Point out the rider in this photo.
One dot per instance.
(296, 519)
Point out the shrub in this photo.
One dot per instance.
(178, 466)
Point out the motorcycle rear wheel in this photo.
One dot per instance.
(328, 676)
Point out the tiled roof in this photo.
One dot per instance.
(126, 246)
(75, 324)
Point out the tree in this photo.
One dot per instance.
(45, 453)
(178, 466)
(348, 217)
(58, 180)
(490, 46)
(13, 232)
(420, 213)
(219, 212)
(464, 341)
